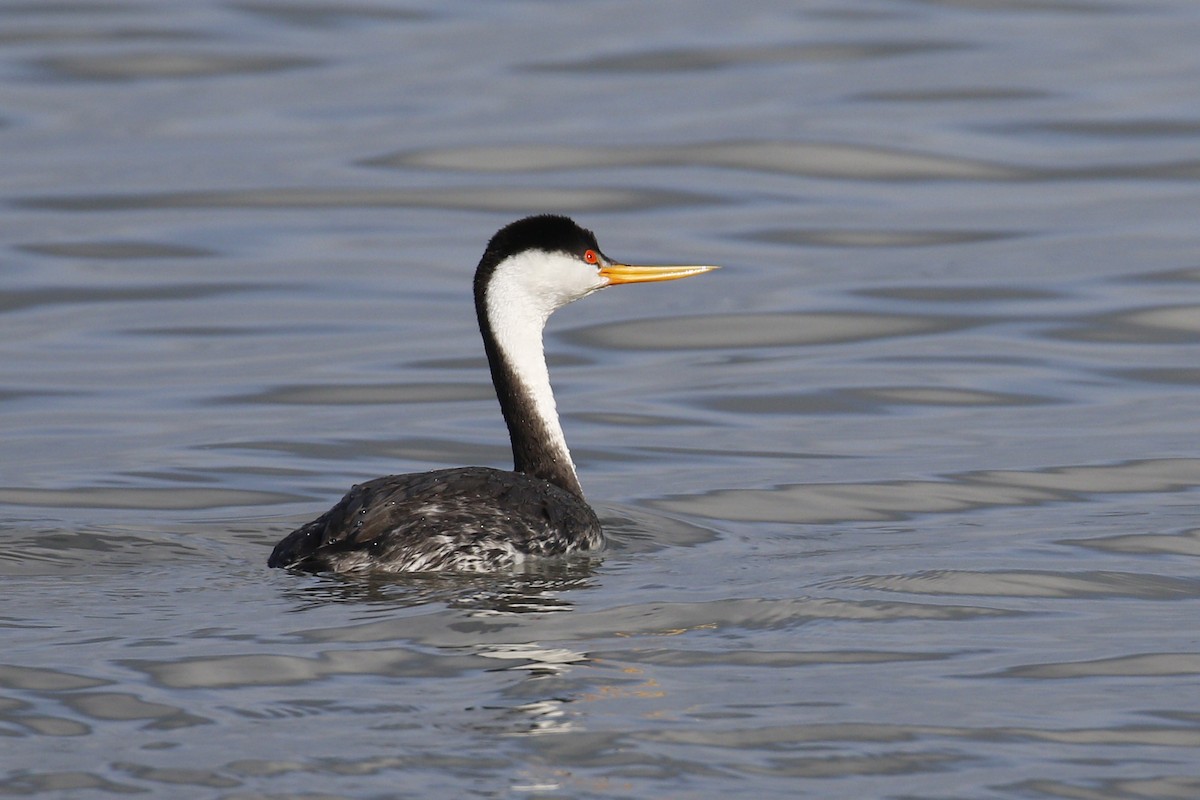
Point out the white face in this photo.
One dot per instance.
(536, 283)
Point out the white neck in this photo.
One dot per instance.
(517, 310)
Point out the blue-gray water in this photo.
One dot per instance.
(904, 501)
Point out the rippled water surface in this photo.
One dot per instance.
(903, 502)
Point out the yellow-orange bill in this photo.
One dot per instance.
(624, 273)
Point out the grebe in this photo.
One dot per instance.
(478, 519)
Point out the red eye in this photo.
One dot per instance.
(591, 257)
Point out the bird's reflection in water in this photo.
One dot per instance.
(543, 685)
(538, 588)
(539, 718)
(538, 703)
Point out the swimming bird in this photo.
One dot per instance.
(479, 519)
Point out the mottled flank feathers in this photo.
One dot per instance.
(469, 519)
